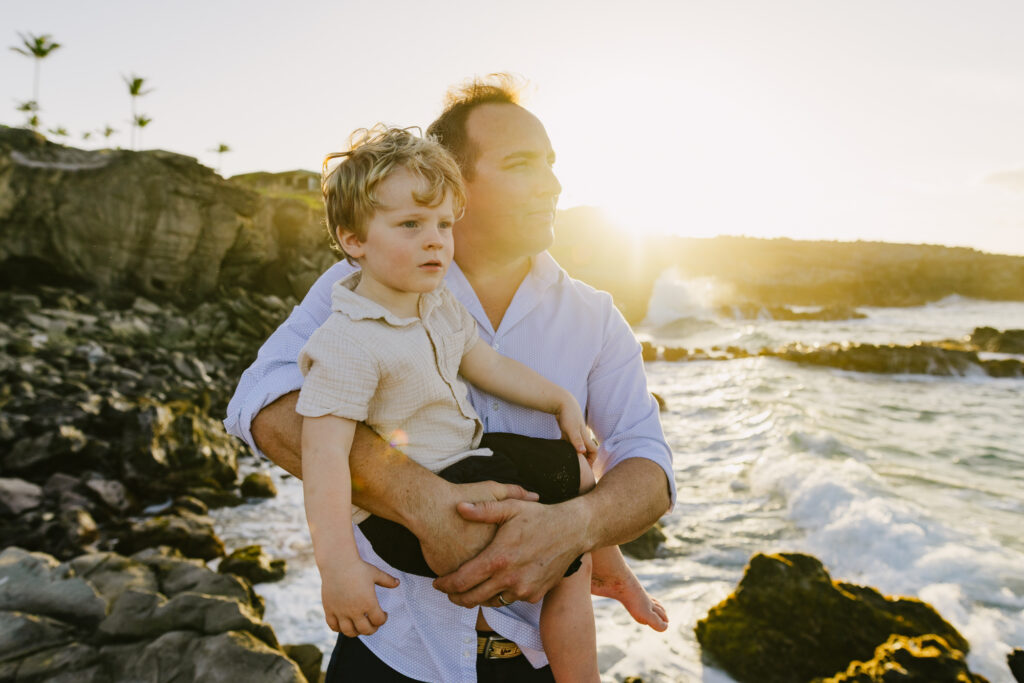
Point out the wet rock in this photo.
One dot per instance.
(253, 564)
(110, 492)
(308, 657)
(22, 634)
(178, 574)
(646, 546)
(258, 485)
(754, 311)
(922, 359)
(112, 574)
(789, 622)
(145, 614)
(75, 662)
(1015, 660)
(18, 495)
(192, 504)
(37, 584)
(991, 339)
(215, 497)
(926, 659)
(192, 534)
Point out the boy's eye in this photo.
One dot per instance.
(410, 224)
(445, 225)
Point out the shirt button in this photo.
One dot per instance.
(467, 654)
(494, 406)
(468, 639)
(497, 346)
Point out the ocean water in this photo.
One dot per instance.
(912, 484)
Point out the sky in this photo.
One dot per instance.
(892, 120)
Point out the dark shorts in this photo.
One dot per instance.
(548, 467)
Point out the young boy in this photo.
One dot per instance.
(390, 355)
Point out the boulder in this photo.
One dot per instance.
(253, 564)
(309, 658)
(18, 495)
(926, 659)
(36, 583)
(991, 339)
(1015, 660)
(192, 534)
(22, 634)
(789, 622)
(139, 615)
(645, 547)
(112, 574)
(258, 485)
(178, 574)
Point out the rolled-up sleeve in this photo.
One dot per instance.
(620, 408)
(275, 372)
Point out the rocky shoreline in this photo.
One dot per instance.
(949, 358)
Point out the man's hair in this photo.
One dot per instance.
(450, 127)
(349, 189)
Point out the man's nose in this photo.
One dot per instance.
(549, 183)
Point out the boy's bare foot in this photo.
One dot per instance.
(627, 589)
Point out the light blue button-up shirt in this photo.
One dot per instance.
(565, 330)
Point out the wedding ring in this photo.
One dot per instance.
(502, 600)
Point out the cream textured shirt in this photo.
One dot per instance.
(398, 375)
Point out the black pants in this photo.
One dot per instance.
(548, 467)
(353, 662)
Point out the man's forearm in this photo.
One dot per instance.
(384, 480)
(627, 500)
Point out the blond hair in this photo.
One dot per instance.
(349, 189)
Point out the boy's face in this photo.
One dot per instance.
(408, 246)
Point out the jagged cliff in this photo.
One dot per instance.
(152, 223)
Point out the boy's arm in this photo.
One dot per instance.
(350, 604)
(535, 543)
(509, 379)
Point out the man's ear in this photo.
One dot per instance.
(352, 245)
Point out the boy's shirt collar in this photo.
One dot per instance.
(357, 307)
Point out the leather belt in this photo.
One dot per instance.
(496, 647)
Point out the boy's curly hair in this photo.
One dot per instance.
(349, 189)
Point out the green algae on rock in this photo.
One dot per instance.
(927, 659)
(788, 621)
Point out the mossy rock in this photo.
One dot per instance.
(252, 563)
(927, 659)
(789, 622)
(645, 547)
(258, 485)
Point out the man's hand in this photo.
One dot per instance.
(447, 538)
(531, 550)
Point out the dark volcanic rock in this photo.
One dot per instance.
(926, 659)
(18, 495)
(308, 657)
(645, 547)
(152, 222)
(991, 339)
(253, 564)
(258, 485)
(753, 311)
(1015, 660)
(192, 534)
(789, 622)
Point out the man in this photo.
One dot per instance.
(526, 307)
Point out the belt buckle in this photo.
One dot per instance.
(496, 647)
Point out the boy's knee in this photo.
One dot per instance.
(587, 480)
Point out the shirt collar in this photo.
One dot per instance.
(544, 273)
(357, 307)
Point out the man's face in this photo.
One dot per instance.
(513, 192)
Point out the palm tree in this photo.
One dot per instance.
(37, 47)
(141, 121)
(106, 131)
(30, 108)
(135, 84)
(59, 131)
(219, 150)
